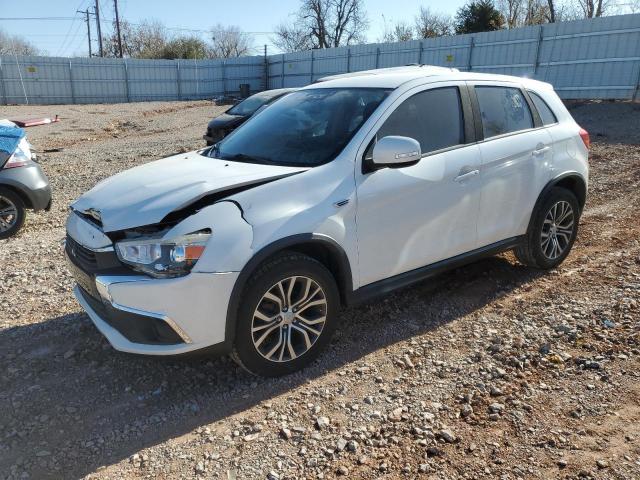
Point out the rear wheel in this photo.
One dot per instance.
(552, 232)
(12, 213)
(287, 315)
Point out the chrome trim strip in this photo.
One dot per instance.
(103, 282)
(183, 335)
(100, 250)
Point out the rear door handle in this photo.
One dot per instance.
(466, 175)
(540, 151)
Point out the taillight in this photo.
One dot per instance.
(16, 161)
(584, 135)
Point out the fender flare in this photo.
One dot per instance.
(552, 183)
(345, 280)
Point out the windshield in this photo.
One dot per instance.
(306, 128)
(249, 105)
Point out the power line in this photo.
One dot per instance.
(68, 37)
(4, 19)
(136, 25)
(64, 41)
(51, 34)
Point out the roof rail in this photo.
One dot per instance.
(432, 69)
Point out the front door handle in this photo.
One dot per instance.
(466, 175)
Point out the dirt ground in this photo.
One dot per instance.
(491, 371)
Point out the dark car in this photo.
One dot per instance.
(23, 184)
(224, 124)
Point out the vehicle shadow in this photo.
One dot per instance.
(71, 404)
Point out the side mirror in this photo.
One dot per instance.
(395, 151)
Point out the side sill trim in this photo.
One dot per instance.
(390, 284)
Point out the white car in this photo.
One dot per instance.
(340, 191)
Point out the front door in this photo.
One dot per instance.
(416, 215)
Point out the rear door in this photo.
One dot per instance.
(516, 153)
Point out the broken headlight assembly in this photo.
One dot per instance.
(162, 258)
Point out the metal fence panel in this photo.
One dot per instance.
(95, 79)
(597, 58)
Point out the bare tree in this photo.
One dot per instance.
(552, 10)
(512, 11)
(537, 12)
(431, 24)
(146, 40)
(15, 45)
(292, 38)
(593, 8)
(186, 47)
(229, 42)
(324, 24)
(400, 32)
(347, 22)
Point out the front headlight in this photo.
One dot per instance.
(163, 258)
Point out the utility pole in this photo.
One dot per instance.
(86, 13)
(115, 6)
(266, 69)
(97, 13)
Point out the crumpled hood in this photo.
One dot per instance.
(144, 195)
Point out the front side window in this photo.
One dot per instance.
(432, 117)
(305, 128)
(503, 110)
(546, 114)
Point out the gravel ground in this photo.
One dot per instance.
(490, 371)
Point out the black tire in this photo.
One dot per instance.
(533, 252)
(277, 269)
(10, 197)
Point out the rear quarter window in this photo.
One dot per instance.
(546, 114)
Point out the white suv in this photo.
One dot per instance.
(345, 189)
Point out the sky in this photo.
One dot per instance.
(68, 36)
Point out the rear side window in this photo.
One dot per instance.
(546, 114)
(503, 110)
(432, 117)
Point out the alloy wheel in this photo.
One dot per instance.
(289, 319)
(8, 214)
(557, 229)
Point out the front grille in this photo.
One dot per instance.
(86, 257)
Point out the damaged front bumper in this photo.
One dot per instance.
(138, 313)
(159, 316)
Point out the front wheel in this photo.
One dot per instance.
(12, 213)
(552, 231)
(287, 315)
